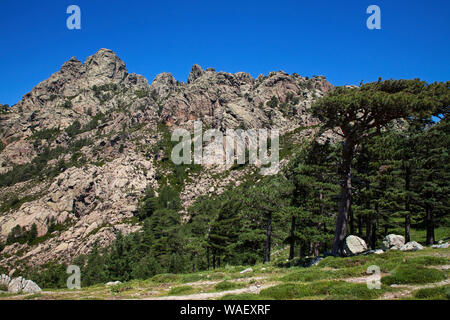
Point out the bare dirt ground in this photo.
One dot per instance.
(213, 295)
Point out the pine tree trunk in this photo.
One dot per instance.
(207, 257)
(345, 198)
(268, 239)
(292, 239)
(368, 229)
(325, 245)
(302, 250)
(373, 238)
(352, 221)
(407, 205)
(359, 226)
(407, 228)
(430, 226)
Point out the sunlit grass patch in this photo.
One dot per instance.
(428, 260)
(181, 290)
(193, 277)
(227, 285)
(413, 274)
(122, 287)
(166, 278)
(436, 293)
(244, 296)
(328, 289)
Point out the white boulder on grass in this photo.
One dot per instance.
(393, 242)
(441, 246)
(411, 246)
(354, 245)
(20, 284)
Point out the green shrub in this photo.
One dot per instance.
(121, 287)
(165, 278)
(49, 276)
(14, 203)
(332, 289)
(413, 274)
(338, 262)
(428, 260)
(283, 292)
(67, 104)
(273, 102)
(314, 274)
(216, 276)
(141, 93)
(226, 285)
(436, 293)
(191, 278)
(22, 235)
(244, 296)
(306, 275)
(46, 134)
(74, 128)
(353, 291)
(3, 287)
(181, 290)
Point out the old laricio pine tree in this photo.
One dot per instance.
(357, 113)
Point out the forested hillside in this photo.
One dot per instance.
(384, 170)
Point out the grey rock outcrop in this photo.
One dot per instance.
(411, 246)
(196, 72)
(354, 245)
(441, 246)
(105, 120)
(393, 242)
(19, 284)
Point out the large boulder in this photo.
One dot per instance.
(30, 287)
(411, 246)
(20, 284)
(354, 245)
(393, 242)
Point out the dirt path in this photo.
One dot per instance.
(213, 295)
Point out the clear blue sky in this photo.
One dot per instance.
(308, 37)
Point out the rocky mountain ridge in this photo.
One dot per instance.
(80, 149)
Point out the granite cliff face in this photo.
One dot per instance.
(78, 151)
